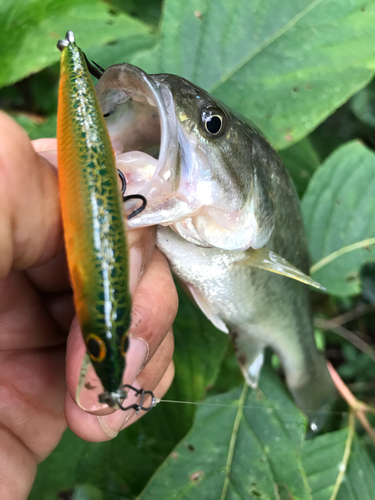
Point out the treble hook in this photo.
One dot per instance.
(131, 196)
(94, 71)
(139, 406)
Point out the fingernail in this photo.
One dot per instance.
(136, 357)
(112, 424)
(50, 156)
(88, 391)
(135, 268)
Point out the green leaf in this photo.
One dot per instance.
(285, 65)
(148, 11)
(341, 127)
(301, 161)
(357, 365)
(363, 105)
(242, 445)
(120, 50)
(126, 463)
(322, 459)
(35, 129)
(87, 492)
(29, 31)
(338, 209)
(199, 351)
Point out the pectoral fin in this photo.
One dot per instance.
(206, 308)
(270, 261)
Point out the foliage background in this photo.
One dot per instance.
(302, 70)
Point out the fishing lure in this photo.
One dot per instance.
(94, 230)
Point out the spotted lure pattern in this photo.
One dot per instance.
(93, 219)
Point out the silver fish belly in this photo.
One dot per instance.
(223, 201)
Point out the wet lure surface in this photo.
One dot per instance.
(93, 220)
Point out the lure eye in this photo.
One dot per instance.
(96, 348)
(124, 344)
(213, 121)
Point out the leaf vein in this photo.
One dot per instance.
(268, 42)
(233, 441)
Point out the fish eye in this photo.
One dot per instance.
(124, 344)
(213, 125)
(96, 348)
(213, 121)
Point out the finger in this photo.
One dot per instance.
(155, 305)
(32, 389)
(101, 428)
(32, 395)
(16, 461)
(47, 148)
(144, 381)
(61, 308)
(30, 226)
(24, 323)
(41, 145)
(141, 243)
(52, 276)
(149, 379)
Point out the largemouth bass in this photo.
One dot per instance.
(227, 215)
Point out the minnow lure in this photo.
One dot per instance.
(94, 230)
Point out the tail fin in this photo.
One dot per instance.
(313, 391)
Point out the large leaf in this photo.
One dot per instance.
(120, 50)
(301, 161)
(199, 350)
(148, 11)
(30, 29)
(322, 459)
(285, 65)
(363, 105)
(341, 127)
(339, 210)
(126, 463)
(242, 445)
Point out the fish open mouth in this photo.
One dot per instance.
(189, 185)
(142, 124)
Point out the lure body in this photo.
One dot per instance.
(93, 220)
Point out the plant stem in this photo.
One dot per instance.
(358, 409)
(342, 251)
(345, 458)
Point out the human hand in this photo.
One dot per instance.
(38, 332)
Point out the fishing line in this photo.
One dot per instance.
(252, 407)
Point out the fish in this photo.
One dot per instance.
(228, 220)
(94, 228)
